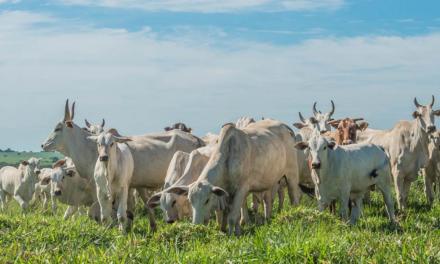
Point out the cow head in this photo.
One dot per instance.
(62, 130)
(425, 115)
(59, 176)
(319, 121)
(31, 168)
(347, 129)
(106, 142)
(95, 129)
(319, 150)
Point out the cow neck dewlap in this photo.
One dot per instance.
(81, 150)
(102, 180)
(419, 137)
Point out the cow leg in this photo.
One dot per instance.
(234, 214)
(244, 213)
(70, 211)
(268, 203)
(428, 187)
(293, 190)
(356, 210)
(398, 182)
(23, 204)
(2, 199)
(54, 204)
(122, 209)
(95, 211)
(45, 201)
(144, 196)
(343, 207)
(385, 189)
(406, 189)
(280, 197)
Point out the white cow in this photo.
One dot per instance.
(113, 174)
(431, 172)
(407, 146)
(346, 173)
(19, 182)
(68, 187)
(43, 189)
(246, 160)
(95, 129)
(152, 153)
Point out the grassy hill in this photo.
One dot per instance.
(13, 158)
(296, 235)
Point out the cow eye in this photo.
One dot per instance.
(174, 203)
(57, 129)
(325, 148)
(111, 145)
(207, 201)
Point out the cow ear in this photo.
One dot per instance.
(436, 112)
(167, 128)
(69, 124)
(154, 200)
(24, 162)
(362, 126)
(313, 120)
(301, 145)
(334, 124)
(299, 125)
(219, 191)
(331, 144)
(416, 114)
(179, 190)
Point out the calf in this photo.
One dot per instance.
(68, 187)
(43, 189)
(113, 174)
(19, 182)
(346, 173)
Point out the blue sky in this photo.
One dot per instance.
(144, 64)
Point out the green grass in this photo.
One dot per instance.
(296, 235)
(14, 158)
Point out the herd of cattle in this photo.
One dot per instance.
(199, 177)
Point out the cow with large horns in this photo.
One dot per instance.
(151, 153)
(407, 146)
(95, 129)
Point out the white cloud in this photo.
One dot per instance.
(213, 6)
(140, 83)
(9, 1)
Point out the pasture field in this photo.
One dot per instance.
(13, 158)
(296, 235)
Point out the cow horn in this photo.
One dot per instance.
(334, 121)
(333, 108)
(301, 117)
(315, 112)
(66, 111)
(358, 119)
(416, 102)
(103, 122)
(432, 102)
(87, 123)
(72, 112)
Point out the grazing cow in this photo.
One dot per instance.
(95, 129)
(407, 146)
(431, 172)
(19, 182)
(68, 187)
(180, 126)
(246, 160)
(346, 173)
(151, 153)
(43, 189)
(184, 169)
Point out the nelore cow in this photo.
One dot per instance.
(69, 188)
(152, 153)
(407, 146)
(252, 159)
(43, 187)
(19, 183)
(95, 129)
(345, 173)
(431, 172)
(113, 173)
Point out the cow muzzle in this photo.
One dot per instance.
(170, 221)
(431, 129)
(57, 192)
(347, 142)
(37, 172)
(316, 165)
(103, 158)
